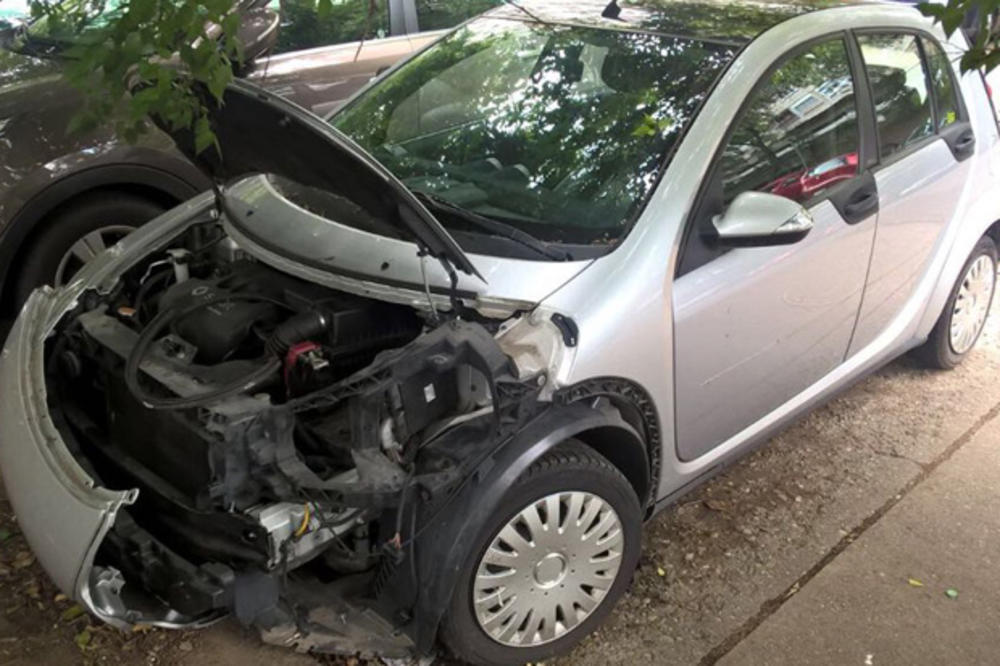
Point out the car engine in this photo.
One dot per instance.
(280, 433)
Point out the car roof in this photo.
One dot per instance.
(716, 20)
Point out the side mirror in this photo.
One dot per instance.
(754, 219)
(258, 34)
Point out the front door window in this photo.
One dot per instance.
(799, 135)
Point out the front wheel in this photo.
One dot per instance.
(964, 316)
(77, 234)
(550, 564)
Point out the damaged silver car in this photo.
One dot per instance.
(414, 376)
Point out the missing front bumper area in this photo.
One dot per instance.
(326, 564)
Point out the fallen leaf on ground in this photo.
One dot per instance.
(716, 505)
(82, 639)
(660, 572)
(915, 583)
(72, 613)
(951, 593)
(23, 560)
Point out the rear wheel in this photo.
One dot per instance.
(964, 316)
(550, 564)
(77, 234)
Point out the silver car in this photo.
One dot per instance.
(415, 375)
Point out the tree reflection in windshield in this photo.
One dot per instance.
(559, 130)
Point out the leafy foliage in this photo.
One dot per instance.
(138, 57)
(981, 21)
(169, 59)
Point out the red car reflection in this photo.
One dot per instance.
(804, 183)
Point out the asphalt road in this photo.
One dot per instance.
(759, 566)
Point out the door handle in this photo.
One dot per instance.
(961, 140)
(861, 203)
(856, 199)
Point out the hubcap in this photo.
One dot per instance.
(548, 569)
(87, 248)
(972, 304)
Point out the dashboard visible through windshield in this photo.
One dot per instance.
(555, 131)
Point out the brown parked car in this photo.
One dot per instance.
(65, 197)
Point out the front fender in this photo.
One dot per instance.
(447, 540)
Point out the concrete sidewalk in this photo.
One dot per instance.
(860, 608)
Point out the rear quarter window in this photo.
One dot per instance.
(942, 83)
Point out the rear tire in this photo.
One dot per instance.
(964, 316)
(551, 569)
(87, 225)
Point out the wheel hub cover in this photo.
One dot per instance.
(972, 304)
(547, 569)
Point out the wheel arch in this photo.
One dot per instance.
(994, 232)
(148, 182)
(448, 538)
(625, 450)
(958, 255)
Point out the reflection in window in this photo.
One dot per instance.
(799, 134)
(899, 90)
(560, 130)
(943, 83)
(440, 14)
(347, 21)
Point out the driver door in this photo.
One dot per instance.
(754, 326)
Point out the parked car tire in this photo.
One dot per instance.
(77, 233)
(964, 316)
(527, 561)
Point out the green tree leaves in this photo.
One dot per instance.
(133, 58)
(980, 19)
(171, 59)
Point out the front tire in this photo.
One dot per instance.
(77, 234)
(964, 317)
(550, 564)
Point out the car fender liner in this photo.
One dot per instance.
(447, 540)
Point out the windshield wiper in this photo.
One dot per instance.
(495, 227)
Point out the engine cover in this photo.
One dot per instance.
(217, 325)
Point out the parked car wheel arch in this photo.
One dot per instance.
(155, 185)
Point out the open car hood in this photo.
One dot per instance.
(259, 132)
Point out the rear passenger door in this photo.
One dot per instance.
(755, 326)
(924, 140)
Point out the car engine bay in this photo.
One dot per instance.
(289, 441)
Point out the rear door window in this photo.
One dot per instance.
(798, 135)
(943, 84)
(899, 90)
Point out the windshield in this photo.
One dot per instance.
(560, 131)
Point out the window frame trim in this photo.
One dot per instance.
(882, 161)
(864, 109)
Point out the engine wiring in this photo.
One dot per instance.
(164, 319)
